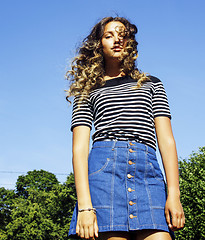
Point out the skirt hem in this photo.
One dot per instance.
(72, 232)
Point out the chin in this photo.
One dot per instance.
(117, 55)
(114, 58)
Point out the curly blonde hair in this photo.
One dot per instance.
(88, 68)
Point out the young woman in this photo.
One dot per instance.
(120, 188)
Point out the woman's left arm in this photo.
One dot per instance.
(167, 147)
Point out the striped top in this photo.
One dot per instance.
(120, 112)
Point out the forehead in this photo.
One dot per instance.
(113, 26)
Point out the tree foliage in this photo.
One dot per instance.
(40, 208)
(7, 198)
(192, 185)
(38, 179)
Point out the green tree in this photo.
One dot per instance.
(7, 198)
(37, 179)
(192, 185)
(30, 219)
(42, 208)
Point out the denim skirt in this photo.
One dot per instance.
(127, 187)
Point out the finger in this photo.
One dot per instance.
(77, 229)
(91, 231)
(86, 233)
(81, 233)
(168, 219)
(96, 228)
(175, 223)
(179, 221)
(182, 220)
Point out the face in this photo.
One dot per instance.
(113, 40)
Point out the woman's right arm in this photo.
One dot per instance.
(87, 221)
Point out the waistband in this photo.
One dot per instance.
(124, 144)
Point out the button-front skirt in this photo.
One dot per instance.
(127, 187)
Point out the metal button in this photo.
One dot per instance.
(130, 150)
(130, 189)
(130, 162)
(129, 175)
(131, 143)
(131, 216)
(131, 203)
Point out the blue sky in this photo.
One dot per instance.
(38, 40)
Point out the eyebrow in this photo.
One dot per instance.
(107, 32)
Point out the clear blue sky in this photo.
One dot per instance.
(38, 40)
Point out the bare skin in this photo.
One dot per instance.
(167, 147)
(139, 235)
(113, 46)
(87, 221)
(87, 227)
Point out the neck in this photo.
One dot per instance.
(112, 70)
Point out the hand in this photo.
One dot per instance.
(174, 213)
(87, 225)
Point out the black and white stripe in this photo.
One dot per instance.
(121, 112)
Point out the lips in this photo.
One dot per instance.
(117, 48)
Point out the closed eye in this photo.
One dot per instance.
(108, 35)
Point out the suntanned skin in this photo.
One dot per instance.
(87, 222)
(113, 46)
(167, 147)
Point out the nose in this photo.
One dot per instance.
(118, 39)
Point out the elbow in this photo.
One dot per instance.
(170, 141)
(80, 150)
(167, 143)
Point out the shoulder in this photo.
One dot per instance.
(154, 79)
(156, 83)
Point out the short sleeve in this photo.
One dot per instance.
(82, 114)
(159, 101)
